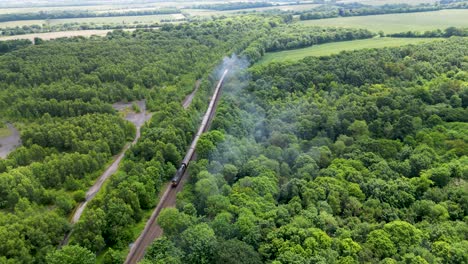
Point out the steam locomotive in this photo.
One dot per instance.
(203, 127)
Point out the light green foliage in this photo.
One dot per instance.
(72, 255)
(380, 244)
(173, 222)
(199, 243)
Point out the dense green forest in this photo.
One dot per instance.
(359, 157)
(62, 90)
(354, 158)
(60, 93)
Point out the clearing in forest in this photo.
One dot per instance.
(9, 140)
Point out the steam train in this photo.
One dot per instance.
(203, 127)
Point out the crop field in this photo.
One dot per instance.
(395, 23)
(208, 12)
(118, 20)
(386, 2)
(102, 7)
(54, 35)
(21, 23)
(99, 8)
(96, 20)
(336, 47)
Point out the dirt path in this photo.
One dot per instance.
(138, 119)
(9, 143)
(188, 100)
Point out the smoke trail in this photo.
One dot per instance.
(248, 128)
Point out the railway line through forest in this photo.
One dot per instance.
(152, 230)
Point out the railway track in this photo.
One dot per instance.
(168, 199)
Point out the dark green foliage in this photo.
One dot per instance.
(235, 252)
(448, 32)
(10, 45)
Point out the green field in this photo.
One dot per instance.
(336, 47)
(394, 23)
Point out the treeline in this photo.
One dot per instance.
(296, 36)
(355, 9)
(448, 32)
(10, 45)
(355, 158)
(43, 15)
(233, 5)
(32, 29)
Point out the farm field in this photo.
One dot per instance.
(119, 19)
(96, 20)
(208, 12)
(336, 47)
(387, 2)
(395, 23)
(102, 7)
(21, 23)
(61, 34)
